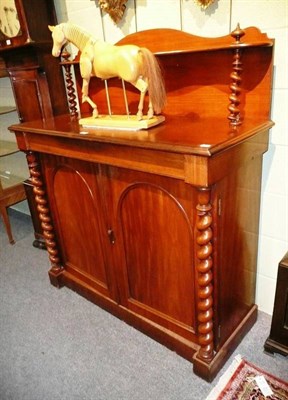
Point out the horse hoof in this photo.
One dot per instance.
(139, 116)
(95, 114)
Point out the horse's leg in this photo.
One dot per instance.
(86, 98)
(142, 85)
(86, 69)
(140, 106)
(150, 113)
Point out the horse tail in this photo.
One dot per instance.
(156, 87)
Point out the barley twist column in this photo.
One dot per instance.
(44, 214)
(234, 116)
(204, 266)
(69, 85)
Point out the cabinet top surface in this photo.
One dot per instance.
(177, 135)
(200, 78)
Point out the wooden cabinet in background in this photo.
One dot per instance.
(31, 93)
(160, 227)
(36, 76)
(37, 82)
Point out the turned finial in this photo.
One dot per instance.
(237, 34)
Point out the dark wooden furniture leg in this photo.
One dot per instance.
(277, 341)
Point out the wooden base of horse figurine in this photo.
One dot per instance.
(122, 122)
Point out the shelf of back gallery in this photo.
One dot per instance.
(13, 166)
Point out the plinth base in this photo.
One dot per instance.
(121, 122)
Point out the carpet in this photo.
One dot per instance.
(245, 381)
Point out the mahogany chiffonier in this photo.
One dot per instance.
(160, 226)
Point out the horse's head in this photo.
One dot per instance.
(59, 39)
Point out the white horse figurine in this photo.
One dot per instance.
(131, 63)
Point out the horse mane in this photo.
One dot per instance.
(76, 35)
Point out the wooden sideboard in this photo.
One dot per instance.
(160, 227)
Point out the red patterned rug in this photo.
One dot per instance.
(245, 381)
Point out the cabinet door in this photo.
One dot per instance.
(152, 222)
(31, 94)
(78, 221)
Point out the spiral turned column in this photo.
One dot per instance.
(70, 88)
(204, 264)
(234, 116)
(44, 214)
